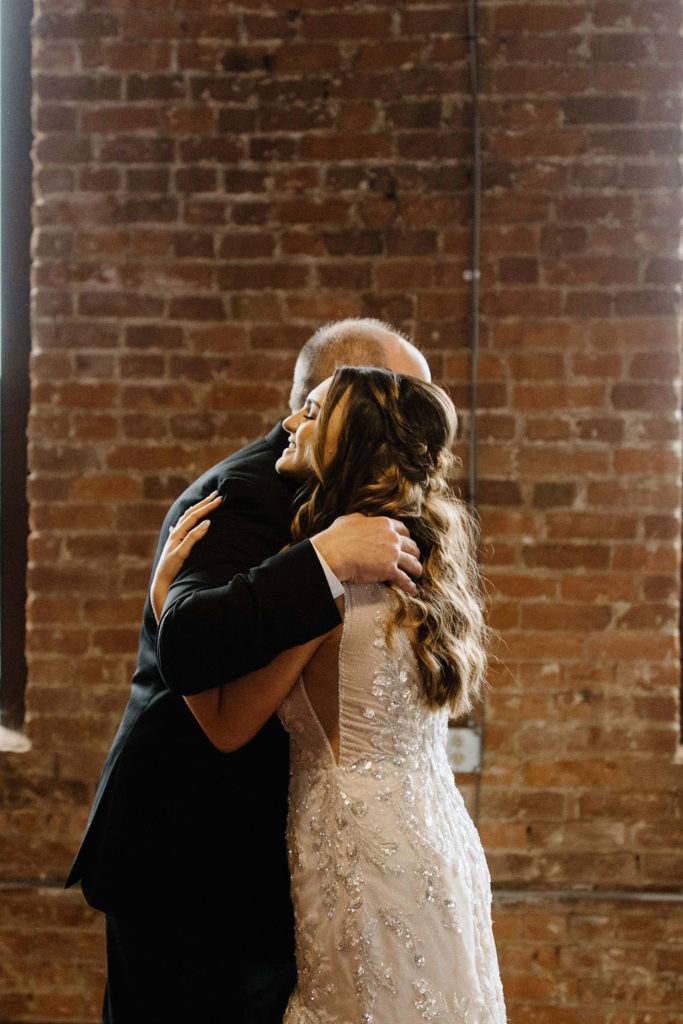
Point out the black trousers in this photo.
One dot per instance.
(176, 969)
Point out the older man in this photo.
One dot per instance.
(185, 849)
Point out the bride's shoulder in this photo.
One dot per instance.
(359, 594)
(371, 606)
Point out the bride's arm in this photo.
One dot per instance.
(233, 713)
(230, 714)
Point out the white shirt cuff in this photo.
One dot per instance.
(336, 588)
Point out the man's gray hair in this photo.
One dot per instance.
(351, 342)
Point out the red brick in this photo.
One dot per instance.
(65, 459)
(590, 526)
(616, 494)
(275, 119)
(257, 307)
(119, 304)
(646, 303)
(356, 276)
(268, 25)
(662, 527)
(78, 87)
(196, 179)
(246, 245)
(346, 147)
(544, 302)
(161, 210)
(540, 366)
(198, 427)
(120, 55)
(661, 559)
(197, 307)
(655, 366)
(636, 460)
(567, 556)
(236, 276)
(422, 212)
(110, 119)
(88, 396)
(547, 460)
(145, 458)
(356, 117)
(322, 307)
(153, 336)
(602, 587)
(620, 334)
(648, 616)
(56, 117)
(99, 179)
(188, 120)
(306, 243)
(195, 368)
(156, 396)
(271, 148)
(249, 213)
(582, 618)
(608, 429)
(630, 646)
(379, 213)
(221, 149)
(297, 179)
(227, 337)
(346, 25)
(663, 271)
(226, 396)
(302, 58)
(104, 488)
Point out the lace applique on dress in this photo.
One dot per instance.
(390, 885)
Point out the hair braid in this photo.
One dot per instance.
(394, 458)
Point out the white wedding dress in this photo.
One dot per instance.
(390, 885)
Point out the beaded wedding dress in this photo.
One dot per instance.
(390, 885)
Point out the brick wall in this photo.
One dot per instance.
(213, 180)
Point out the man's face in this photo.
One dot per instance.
(295, 460)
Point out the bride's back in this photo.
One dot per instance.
(364, 690)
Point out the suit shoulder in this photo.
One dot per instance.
(246, 479)
(254, 463)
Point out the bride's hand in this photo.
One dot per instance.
(181, 539)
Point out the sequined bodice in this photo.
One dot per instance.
(389, 882)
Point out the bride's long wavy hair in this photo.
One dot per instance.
(393, 457)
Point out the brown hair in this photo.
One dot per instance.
(394, 458)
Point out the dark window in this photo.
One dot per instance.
(15, 171)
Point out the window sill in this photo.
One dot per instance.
(12, 740)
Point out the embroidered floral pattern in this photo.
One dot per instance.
(390, 885)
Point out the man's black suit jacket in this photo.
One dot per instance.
(174, 820)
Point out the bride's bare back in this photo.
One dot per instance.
(321, 681)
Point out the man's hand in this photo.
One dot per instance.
(370, 549)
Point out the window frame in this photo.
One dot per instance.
(15, 344)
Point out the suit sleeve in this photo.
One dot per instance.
(235, 605)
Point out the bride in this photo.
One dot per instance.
(390, 885)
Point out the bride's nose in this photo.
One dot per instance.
(293, 421)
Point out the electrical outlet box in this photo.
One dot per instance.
(464, 749)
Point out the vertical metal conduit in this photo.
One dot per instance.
(473, 273)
